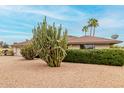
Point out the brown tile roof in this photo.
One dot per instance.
(91, 40)
(21, 43)
(81, 40)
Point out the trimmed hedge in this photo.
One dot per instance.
(96, 56)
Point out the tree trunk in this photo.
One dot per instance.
(91, 31)
(94, 32)
(85, 33)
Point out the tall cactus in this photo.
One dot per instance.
(49, 43)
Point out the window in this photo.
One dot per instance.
(86, 46)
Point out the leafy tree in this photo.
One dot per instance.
(3, 44)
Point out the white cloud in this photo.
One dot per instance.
(56, 12)
(110, 22)
(1, 39)
(112, 18)
(14, 32)
(10, 39)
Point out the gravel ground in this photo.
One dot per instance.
(17, 72)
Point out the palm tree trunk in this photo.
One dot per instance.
(94, 32)
(90, 31)
(85, 33)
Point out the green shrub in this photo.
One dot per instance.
(0, 52)
(96, 56)
(28, 52)
(10, 53)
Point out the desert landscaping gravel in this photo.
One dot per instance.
(18, 72)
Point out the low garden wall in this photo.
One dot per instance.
(96, 56)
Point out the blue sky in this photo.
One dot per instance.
(16, 22)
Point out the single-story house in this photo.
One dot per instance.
(83, 42)
(17, 47)
(92, 42)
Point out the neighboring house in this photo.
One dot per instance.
(83, 42)
(17, 47)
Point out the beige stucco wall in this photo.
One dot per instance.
(102, 46)
(96, 46)
(74, 46)
(16, 51)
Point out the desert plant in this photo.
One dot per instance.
(28, 52)
(49, 44)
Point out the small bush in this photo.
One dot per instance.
(0, 52)
(10, 53)
(28, 52)
(102, 56)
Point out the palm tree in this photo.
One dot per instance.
(85, 29)
(93, 23)
(90, 25)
